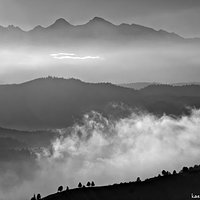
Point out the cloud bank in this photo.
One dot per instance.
(109, 151)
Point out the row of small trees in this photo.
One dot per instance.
(164, 173)
(80, 185)
(183, 170)
(92, 184)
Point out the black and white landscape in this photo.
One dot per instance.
(99, 107)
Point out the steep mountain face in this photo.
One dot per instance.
(96, 29)
(58, 103)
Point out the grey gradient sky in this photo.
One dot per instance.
(180, 16)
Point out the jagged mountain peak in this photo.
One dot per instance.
(38, 28)
(61, 22)
(13, 28)
(99, 20)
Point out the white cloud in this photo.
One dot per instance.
(73, 56)
(109, 151)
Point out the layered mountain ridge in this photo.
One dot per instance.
(97, 29)
(58, 102)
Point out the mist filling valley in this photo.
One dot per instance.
(160, 62)
(106, 151)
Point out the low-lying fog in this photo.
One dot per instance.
(133, 63)
(105, 151)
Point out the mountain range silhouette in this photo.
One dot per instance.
(96, 30)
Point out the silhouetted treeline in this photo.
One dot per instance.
(164, 175)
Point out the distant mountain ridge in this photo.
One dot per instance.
(96, 29)
(141, 85)
(24, 139)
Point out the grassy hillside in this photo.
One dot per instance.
(169, 187)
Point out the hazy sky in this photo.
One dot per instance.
(180, 16)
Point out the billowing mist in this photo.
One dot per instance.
(119, 64)
(108, 151)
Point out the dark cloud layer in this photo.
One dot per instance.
(180, 16)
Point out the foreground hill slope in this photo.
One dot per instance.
(171, 187)
(57, 103)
